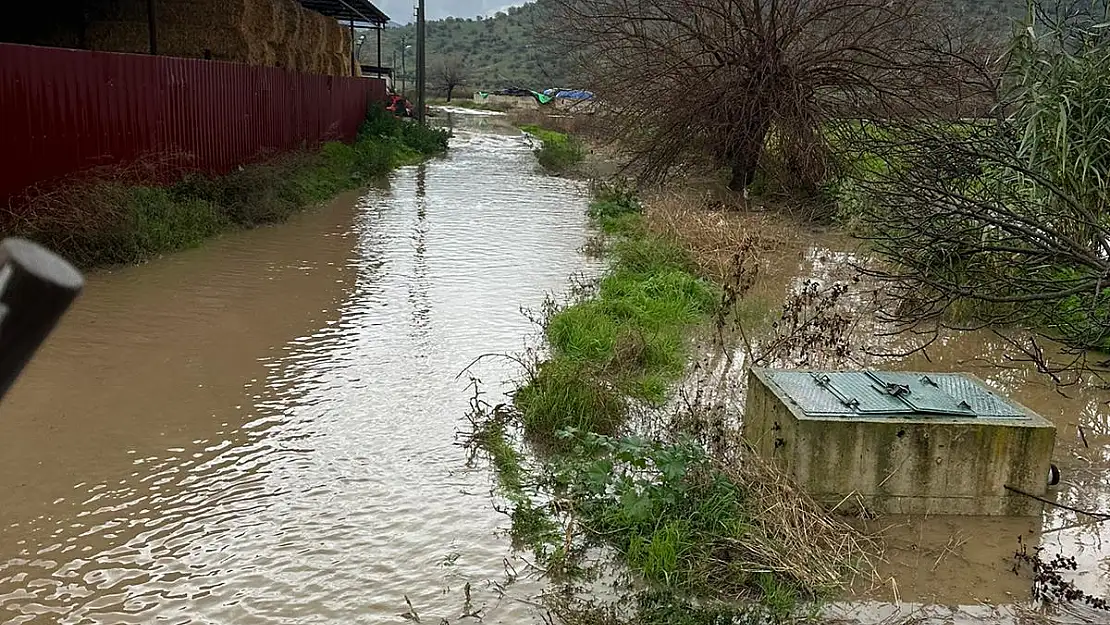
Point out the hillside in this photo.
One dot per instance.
(508, 51)
(496, 52)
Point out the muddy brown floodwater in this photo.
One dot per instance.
(262, 430)
(958, 565)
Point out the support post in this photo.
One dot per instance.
(152, 26)
(404, 72)
(353, 69)
(379, 61)
(420, 61)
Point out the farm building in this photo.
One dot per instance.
(179, 85)
(310, 36)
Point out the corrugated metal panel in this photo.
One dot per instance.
(870, 393)
(63, 111)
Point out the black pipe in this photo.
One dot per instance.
(36, 288)
(152, 26)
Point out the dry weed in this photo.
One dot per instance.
(714, 233)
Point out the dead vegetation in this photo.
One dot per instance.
(752, 85)
(717, 237)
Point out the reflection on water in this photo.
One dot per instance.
(262, 431)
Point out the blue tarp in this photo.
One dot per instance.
(569, 94)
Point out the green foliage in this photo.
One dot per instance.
(676, 519)
(1000, 222)
(405, 136)
(626, 340)
(616, 209)
(564, 393)
(558, 152)
(129, 224)
(507, 50)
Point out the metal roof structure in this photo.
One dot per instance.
(358, 11)
(870, 394)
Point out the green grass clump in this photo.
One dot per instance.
(96, 222)
(676, 519)
(650, 254)
(629, 336)
(564, 394)
(616, 210)
(558, 151)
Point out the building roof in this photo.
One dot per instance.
(361, 11)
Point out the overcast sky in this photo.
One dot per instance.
(400, 11)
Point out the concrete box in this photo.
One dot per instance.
(900, 443)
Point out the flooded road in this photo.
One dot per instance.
(262, 430)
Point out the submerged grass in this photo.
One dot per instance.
(558, 151)
(625, 340)
(114, 216)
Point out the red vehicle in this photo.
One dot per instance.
(398, 105)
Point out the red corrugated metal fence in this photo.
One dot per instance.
(63, 111)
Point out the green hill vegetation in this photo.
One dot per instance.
(493, 53)
(509, 49)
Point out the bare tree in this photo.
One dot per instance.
(448, 73)
(751, 83)
(1003, 221)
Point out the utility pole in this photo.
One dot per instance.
(404, 47)
(420, 73)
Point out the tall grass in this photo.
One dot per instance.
(111, 217)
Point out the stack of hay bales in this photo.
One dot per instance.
(119, 27)
(306, 41)
(273, 33)
(194, 28)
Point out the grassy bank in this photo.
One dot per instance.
(558, 151)
(111, 218)
(590, 461)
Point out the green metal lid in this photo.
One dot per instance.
(871, 393)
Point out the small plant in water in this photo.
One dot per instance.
(1049, 584)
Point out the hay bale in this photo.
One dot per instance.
(202, 13)
(337, 49)
(287, 33)
(223, 44)
(334, 35)
(311, 48)
(341, 65)
(260, 24)
(112, 36)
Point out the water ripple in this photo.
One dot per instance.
(340, 491)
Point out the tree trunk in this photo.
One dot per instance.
(743, 157)
(449, 90)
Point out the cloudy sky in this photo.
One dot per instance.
(400, 11)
